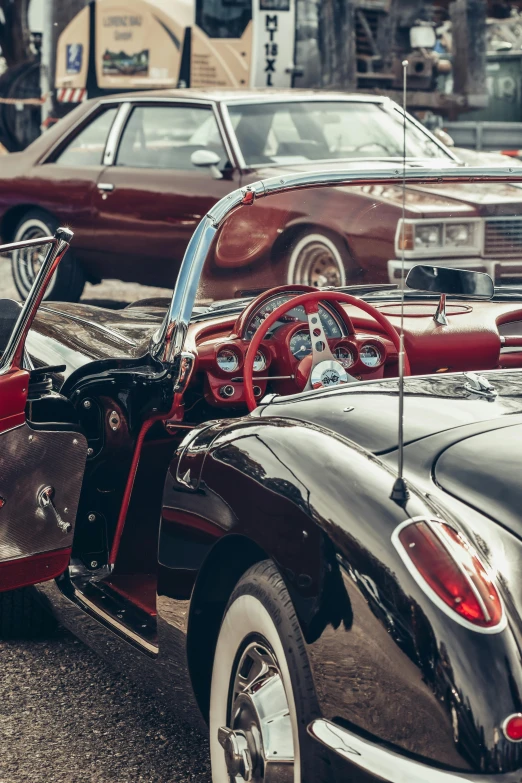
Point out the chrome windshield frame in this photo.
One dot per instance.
(167, 343)
(58, 245)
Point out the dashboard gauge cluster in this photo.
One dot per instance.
(370, 355)
(227, 360)
(331, 324)
(349, 354)
(230, 361)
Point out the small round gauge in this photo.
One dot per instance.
(301, 345)
(370, 355)
(345, 355)
(259, 362)
(227, 360)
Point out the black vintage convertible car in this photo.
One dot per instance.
(222, 497)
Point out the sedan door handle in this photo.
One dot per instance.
(106, 187)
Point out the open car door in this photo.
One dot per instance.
(41, 463)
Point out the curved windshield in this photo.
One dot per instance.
(356, 237)
(302, 131)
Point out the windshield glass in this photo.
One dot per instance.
(356, 236)
(297, 132)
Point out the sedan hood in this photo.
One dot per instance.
(486, 199)
(484, 471)
(368, 414)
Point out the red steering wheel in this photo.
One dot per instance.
(332, 371)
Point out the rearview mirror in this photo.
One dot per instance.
(207, 159)
(443, 280)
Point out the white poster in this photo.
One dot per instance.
(274, 43)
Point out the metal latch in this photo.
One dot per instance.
(478, 384)
(45, 500)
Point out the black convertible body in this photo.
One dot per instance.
(257, 570)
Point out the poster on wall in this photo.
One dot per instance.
(274, 43)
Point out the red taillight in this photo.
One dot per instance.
(451, 569)
(512, 727)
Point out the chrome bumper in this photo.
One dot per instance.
(387, 765)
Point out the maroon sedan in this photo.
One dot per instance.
(133, 174)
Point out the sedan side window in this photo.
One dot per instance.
(164, 137)
(88, 146)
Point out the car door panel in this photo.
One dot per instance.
(41, 465)
(30, 461)
(151, 196)
(145, 223)
(13, 395)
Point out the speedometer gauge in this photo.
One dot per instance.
(227, 360)
(259, 362)
(370, 355)
(301, 345)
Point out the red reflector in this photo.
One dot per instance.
(512, 727)
(449, 565)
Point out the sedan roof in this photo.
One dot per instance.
(261, 95)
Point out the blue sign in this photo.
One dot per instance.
(74, 57)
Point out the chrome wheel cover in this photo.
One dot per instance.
(258, 740)
(26, 263)
(316, 261)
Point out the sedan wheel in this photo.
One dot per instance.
(255, 728)
(316, 261)
(68, 281)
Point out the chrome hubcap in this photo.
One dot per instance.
(258, 743)
(317, 267)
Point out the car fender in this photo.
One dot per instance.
(319, 506)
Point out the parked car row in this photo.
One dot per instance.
(133, 174)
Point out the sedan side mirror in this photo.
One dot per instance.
(444, 137)
(207, 159)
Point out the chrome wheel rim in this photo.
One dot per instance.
(317, 262)
(27, 263)
(258, 740)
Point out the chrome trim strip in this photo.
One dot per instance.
(429, 592)
(81, 320)
(168, 341)
(113, 139)
(385, 764)
(111, 621)
(59, 244)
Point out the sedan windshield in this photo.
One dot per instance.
(298, 132)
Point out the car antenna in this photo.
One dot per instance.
(400, 492)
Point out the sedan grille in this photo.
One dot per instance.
(503, 237)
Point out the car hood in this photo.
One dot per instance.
(368, 414)
(487, 199)
(484, 472)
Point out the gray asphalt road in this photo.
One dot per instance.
(65, 717)
(109, 293)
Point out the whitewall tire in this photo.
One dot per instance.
(316, 260)
(261, 696)
(67, 283)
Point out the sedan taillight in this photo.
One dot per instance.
(450, 572)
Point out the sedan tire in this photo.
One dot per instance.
(262, 692)
(318, 260)
(68, 282)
